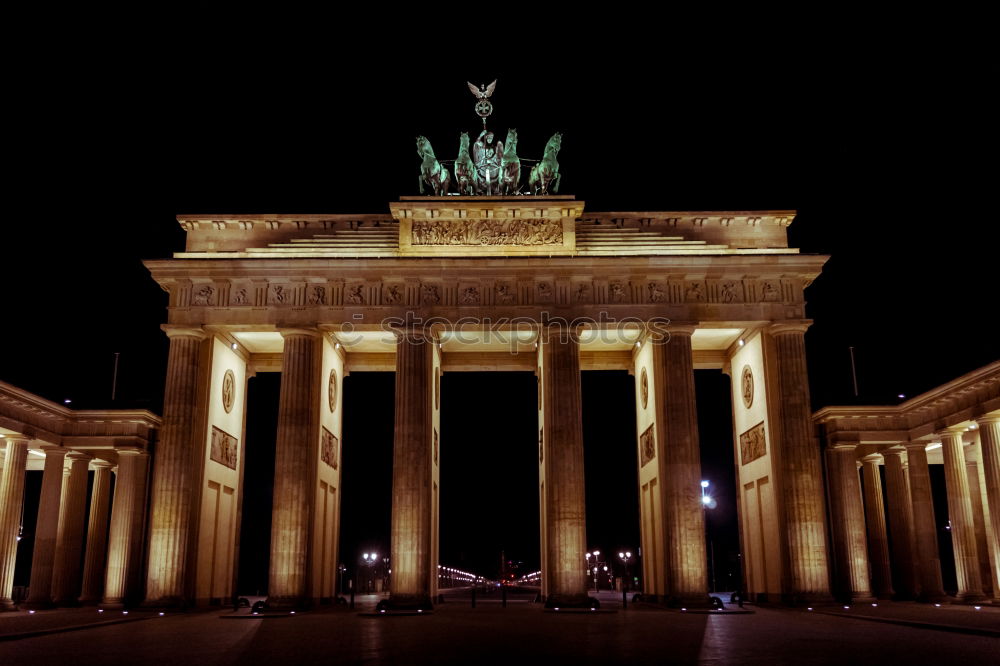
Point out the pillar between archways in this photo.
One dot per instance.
(989, 440)
(294, 468)
(11, 505)
(66, 577)
(122, 579)
(924, 525)
(963, 533)
(900, 512)
(174, 472)
(878, 539)
(412, 459)
(801, 476)
(848, 517)
(97, 534)
(46, 530)
(565, 496)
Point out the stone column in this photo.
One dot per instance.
(683, 512)
(125, 537)
(174, 472)
(972, 458)
(11, 504)
(878, 539)
(924, 524)
(848, 517)
(801, 475)
(97, 534)
(963, 533)
(900, 525)
(562, 416)
(989, 441)
(69, 546)
(412, 455)
(46, 530)
(294, 461)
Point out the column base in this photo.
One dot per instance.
(38, 605)
(978, 598)
(407, 602)
(571, 601)
(809, 599)
(288, 603)
(7, 605)
(112, 605)
(164, 603)
(688, 602)
(932, 598)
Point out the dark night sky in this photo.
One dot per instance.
(879, 151)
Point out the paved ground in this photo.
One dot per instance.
(457, 634)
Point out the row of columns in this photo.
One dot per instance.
(908, 565)
(63, 527)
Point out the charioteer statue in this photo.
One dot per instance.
(492, 168)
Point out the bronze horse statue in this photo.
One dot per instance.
(546, 172)
(431, 171)
(510, 165)
(465, 170)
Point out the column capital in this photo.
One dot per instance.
(97, 463)
(685, 328)
(898, 450)
(130, 451)
(16, 439)
(915, 446)
(988, 419)
(176, 331)
(78, 455)
(299, 330)
(951, 431)
(53, 450)
(872, 458)
(789, 327)
(842, 446)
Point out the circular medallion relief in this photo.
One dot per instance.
(644, 388)
(746, 386)
(332, 391)
(228, 391)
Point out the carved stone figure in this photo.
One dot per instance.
(728, 292)
(647, 446)
(617, 292)
(769, 292)
(546, 173)
(430, 294)
(204, 295)
(278, 294)
(582, 292)
(465, 170)
(655, 293)
(356, 295)
(694, 292)
(470, 296)
(431, 171)
(318, 296)
(746, 386)
(544, 291)
(240, 297)
(486, 232)
(504, 293)
(393, 295)
(228, 391)
(511, 166)
(487, 154)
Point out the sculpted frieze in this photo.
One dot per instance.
(487, 232)
(317, 295)
(204, 295)
(647, 445)
(753, 444)
(392, 294)
(470, 296)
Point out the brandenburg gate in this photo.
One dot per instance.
(472, 283)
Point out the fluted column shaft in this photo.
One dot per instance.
(924, 525)
(294, 461)
(878, 538)
(46, 530)
(849, 544)
(11, 504)
(173, 472)
(410, 544)
(69, 547)
(801, 474)
(976, 497)
(963, 533)
(564, 473)
(989, 441)
(901, 526)
(683, 511)
(125, 537)
(97, 535)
